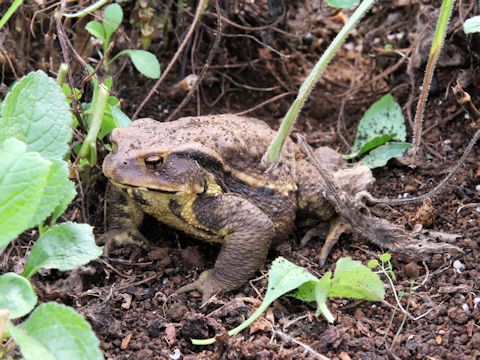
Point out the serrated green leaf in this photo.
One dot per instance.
(23, 177)
(145, 62)
(112, 19)
(36, 112)
(472, 25)
(95, 28)
(343, 4)
(56, 192)
(17, 295)
(380, 156)
(353, 280)
(55, 331)
(383, 118)
(63, 247)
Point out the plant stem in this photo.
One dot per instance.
(435, 49)
(273, 152)
(89, 148)
(62, 74)
(11, 10)
(87, 10)
(242, 326)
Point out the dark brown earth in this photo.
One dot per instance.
(129, 298)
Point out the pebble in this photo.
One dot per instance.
(176, 311)
(457, 315)
(458, 266)
(411, 270)
(476, 340)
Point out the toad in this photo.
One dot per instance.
(205, 176)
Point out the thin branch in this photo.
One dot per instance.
(186, 39)
(211, 54)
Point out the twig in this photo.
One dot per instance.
(305, 346)
(266, 102)
(211, 54)
(179, 51)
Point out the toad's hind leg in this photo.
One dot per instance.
(246, 232)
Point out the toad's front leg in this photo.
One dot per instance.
(246, 232)
(124, 219)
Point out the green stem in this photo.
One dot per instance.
(11, 10)
(273, 152)
(62, 74)
(87, 10)
(437, 43)
(261, 309)
(89, 148)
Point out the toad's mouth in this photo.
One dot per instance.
(143, 188)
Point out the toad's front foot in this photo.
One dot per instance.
(207, 284)
(120, 237)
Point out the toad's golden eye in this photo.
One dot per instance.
(153, 162)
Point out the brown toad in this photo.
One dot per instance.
(205, 176)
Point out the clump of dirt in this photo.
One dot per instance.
(267, 48)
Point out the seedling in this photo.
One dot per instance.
(35, 132)
(384, 265)
(351, 280)
(381, 133)
(144, 61)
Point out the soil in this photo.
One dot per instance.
(129, 297)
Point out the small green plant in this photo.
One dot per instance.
(384, 265)
(35, 133)
(351, 280)
(144, 61)
(381, 133)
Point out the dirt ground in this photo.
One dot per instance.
(266, 49)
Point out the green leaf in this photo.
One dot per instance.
(384, 118)
(57, 192)
(381, 155)
(355, 281)
(17, 295)
(283, 277)
(95, 28)
(145, 62)
(386, 257)
(23, 177)
(31, 348)
(112, 19)
(55, 331)
(36, 112)
(369, 145)
(472, 25)
(305, 292)
(63, 247)
(343, 4)
(372, 264)
(113, 118)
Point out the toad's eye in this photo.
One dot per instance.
(153, 162)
